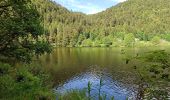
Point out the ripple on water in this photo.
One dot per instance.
(110, 87)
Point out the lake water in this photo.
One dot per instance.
(73, 68)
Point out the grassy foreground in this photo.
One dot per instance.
(24, 83)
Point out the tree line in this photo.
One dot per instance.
(144, 19)
(20, 29)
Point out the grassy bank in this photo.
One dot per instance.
(24, 83)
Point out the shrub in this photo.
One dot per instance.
(87, 43)
(97, 43)
(129, 40)
(107, 40)
(20, 83)
(155, 40)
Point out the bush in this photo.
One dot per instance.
(107, 40)
(166, 37)
(155, 40)
(18, 83)
(129, 40)
(157, 66)
(87, 43)
(116, 42)
(97, 43)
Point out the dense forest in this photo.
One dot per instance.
(145, 20)
(19, 31)
(30, 29)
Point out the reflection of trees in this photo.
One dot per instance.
(65, 63)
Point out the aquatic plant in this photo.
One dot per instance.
(89, 89)
(100, 86)
(85, 94)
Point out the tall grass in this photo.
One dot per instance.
(85, 94)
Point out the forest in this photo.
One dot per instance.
(149, 22)
(34, 59)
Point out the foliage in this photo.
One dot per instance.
(155, 40)
(84, 94)
(21, 83)
(42, 47)
(28, 27)
(155, 73)
(158, 56)
(74, 95)
(20, 33)
(87, 43)
(69, 28)
(166, 37)
(158, 65)
(19, 20)
(142, 36)
(107, 40)
(159, 94)
(116, 42)
(97, 43)
(80, 39)
(129, 40)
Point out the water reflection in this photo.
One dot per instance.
(72, 68)
(110, 87)
(64, 63)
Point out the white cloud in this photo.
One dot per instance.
(93, 11)
(76, 5)
(86, 7)
(89, 8)
(121, 0)
(117, 0)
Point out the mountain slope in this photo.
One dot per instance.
(148, 16)
(61, 25)
(143, 18)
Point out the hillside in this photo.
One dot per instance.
(136, 16)
(61, 24)
(143, 18)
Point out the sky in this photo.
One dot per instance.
(88, 6)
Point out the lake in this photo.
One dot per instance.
(73, 68)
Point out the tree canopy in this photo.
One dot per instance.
(143, 18)
(19, 30)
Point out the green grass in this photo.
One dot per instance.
(22, 83)
(74, 95)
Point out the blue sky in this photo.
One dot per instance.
(88, 6)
